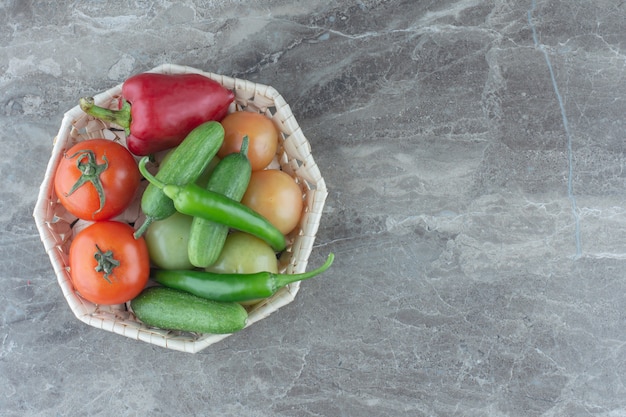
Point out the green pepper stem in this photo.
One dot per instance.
(280, 280)
(170, 190)
(147, 175)
(120, 117)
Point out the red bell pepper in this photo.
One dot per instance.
(159, 110)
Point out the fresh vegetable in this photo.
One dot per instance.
(196, 201)
(230, 178)
(167, 242)
(262, 134)
(232, 287)
(159, 110)
(96, 179)
(244, 254)
(183, 166)
(275, 195)
(203, 179)
(168, 308)
(107, 264)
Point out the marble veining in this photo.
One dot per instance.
(474, 155)
(568, 134)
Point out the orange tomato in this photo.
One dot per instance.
(107, 264)
(262, 137)
(276, 196)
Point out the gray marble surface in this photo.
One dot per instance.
(474, 154)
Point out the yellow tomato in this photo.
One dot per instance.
(275, 195)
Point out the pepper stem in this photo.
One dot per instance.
(280, 280)
(147, 175)
(120, 117)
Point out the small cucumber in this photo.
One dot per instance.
(230, 178)
(183, 166)
(171, 309)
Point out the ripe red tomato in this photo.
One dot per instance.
(107, 264)
(262, 137)
(275, 195)
(96, 179)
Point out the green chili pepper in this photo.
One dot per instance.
(196, 201)
(231, 287)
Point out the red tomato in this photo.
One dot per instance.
(107, 264)
(262, 137)
(96, 179)
(275, 195)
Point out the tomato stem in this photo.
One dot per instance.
(90, 172)
(244, 145)
(106, 263)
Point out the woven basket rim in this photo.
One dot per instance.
(55, 228)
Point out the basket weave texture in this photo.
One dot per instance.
(57, 227)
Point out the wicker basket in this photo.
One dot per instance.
(56, 226)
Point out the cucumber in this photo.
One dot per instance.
(171, 309)
(203, 179)
(183, 165)
(230, 178)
